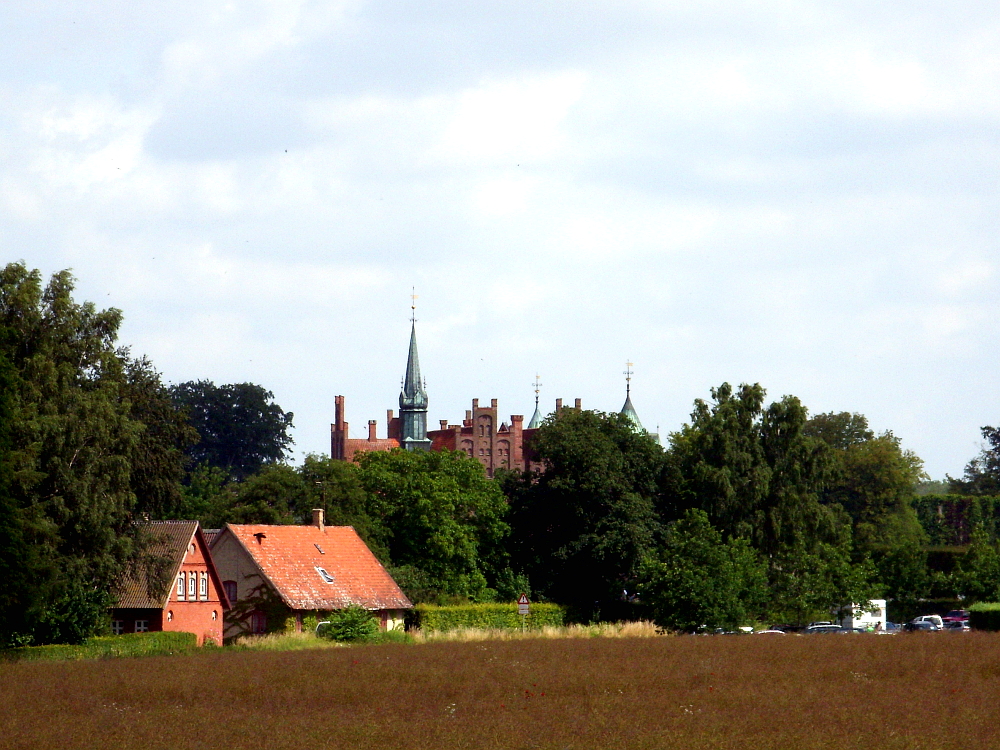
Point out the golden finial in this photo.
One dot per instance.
(537, 385)
(413, 304)
(628, 377)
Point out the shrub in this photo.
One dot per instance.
(351, 624)
(103, 647)
(985, 616)
(432, 618)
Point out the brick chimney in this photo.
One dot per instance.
(558, 404)
(577, 403)
(318, 518)
(371, 431)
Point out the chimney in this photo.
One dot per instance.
(493, 403)
(318, 521)
(468, 415)
(371, 436)
(577, 403)
(558, 404)
(444, 424)
(475, 403)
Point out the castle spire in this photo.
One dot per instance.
(628, 411)
(536, 418)
(413, 397)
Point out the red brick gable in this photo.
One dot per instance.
(289, 558)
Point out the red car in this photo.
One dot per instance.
(957, 615)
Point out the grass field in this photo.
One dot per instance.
(907, 691)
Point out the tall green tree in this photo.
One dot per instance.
(75, 452)
(759, 476)
(698, 581)
(582, 525)
(872, 478)
(443, 520)
(240, 428)
(982, 474)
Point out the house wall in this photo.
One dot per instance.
(234, 564)
(203, 615)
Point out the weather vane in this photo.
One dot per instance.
(413, 304)
(628, 377)
(537, 385)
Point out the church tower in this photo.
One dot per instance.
(413, 397)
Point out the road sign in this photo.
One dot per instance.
(522, 604)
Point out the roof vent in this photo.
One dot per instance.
(319, 548)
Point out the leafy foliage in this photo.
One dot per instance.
(982, 474)
(78, 453)
(349, 625)
(697, 580)
(240, 427)
(440, 515)
(581, 526)
(496, 616)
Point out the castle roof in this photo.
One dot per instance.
(536, 418)
(413, 395)
(628, 411)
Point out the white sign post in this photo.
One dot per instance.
(522, 608)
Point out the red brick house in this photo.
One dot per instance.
(192, 600)
(277, 575)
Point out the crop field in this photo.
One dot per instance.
(906, 691)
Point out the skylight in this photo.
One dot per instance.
(327, 578)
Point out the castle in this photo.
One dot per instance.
(495, 444)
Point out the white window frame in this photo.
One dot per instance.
(181, 587)
(192, 586)
(117, 627)
(203, 586)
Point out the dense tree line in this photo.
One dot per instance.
(752, 511)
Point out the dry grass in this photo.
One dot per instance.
(919, 691)
(283, 642)
(600, 630)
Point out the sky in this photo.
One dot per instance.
(800, 194)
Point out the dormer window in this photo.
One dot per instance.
(327, 578)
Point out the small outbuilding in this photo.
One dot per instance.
(277, 576)
(187, 596)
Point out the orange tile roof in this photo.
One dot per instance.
(289, 556)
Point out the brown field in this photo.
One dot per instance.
(907, 691)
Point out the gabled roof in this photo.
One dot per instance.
(170, 540)
(291, 558)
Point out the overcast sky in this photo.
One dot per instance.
(801, 194)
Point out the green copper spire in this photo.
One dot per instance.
(536, 418)
(413, 397)
(628, 411)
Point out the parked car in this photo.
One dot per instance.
(936, 619)
(917, 625)
(828, 629)
(957, 615)
(957, 626)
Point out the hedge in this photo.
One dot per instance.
(985, 616)
(430, 617)
(106, 647)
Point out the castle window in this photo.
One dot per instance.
(481, 452)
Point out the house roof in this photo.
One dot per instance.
(170, 540)
(291, 558)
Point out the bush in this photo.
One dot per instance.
(349, 625)
(431, 618)
(111, 646)
(985, 616)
